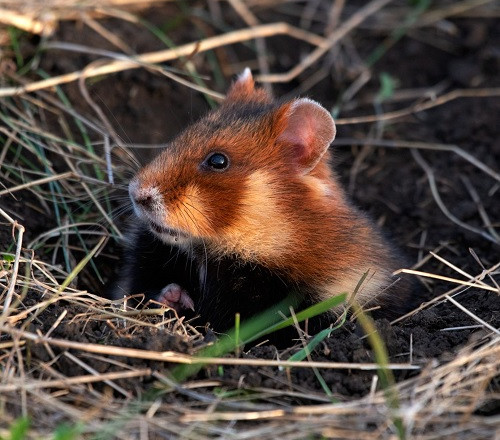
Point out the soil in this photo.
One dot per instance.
(389, 184)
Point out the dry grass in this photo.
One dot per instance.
(75, 192)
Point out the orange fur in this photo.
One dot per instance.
(269, 207)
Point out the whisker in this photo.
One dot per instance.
(197, 210)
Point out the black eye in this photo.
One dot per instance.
(216, 162)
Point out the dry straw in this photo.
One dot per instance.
(442, 401)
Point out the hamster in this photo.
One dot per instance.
(242, 208)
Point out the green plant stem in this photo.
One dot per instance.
(385, 375)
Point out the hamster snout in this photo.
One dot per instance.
(146, 197)
(146, 200)
(149, 207)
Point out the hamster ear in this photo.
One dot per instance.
(243, 89)
(309, 131)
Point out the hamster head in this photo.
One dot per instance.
(236, 179)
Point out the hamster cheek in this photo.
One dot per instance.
(191, 213)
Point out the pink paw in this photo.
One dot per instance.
(175, 297)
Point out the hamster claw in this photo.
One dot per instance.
(175, 297)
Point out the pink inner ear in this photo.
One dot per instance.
(310, 131)
(300, 134)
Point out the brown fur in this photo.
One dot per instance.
(268, 207)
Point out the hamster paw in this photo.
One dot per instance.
(175, 297)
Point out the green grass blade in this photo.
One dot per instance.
(385, 375)
(316, 340)
(78, 268)
(314, 310)
(19, 429)
(68, 432)
(255, 328)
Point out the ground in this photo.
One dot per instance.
(382, 174)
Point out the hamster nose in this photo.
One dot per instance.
(144, 200)
(145, 197)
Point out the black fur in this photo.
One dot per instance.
(148, 265)
(222, 287)
(226, 286)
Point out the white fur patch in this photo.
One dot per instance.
(320, 187)
(245, 75)
(258, 233)
(376, 281)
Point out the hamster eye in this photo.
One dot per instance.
(216, 162)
